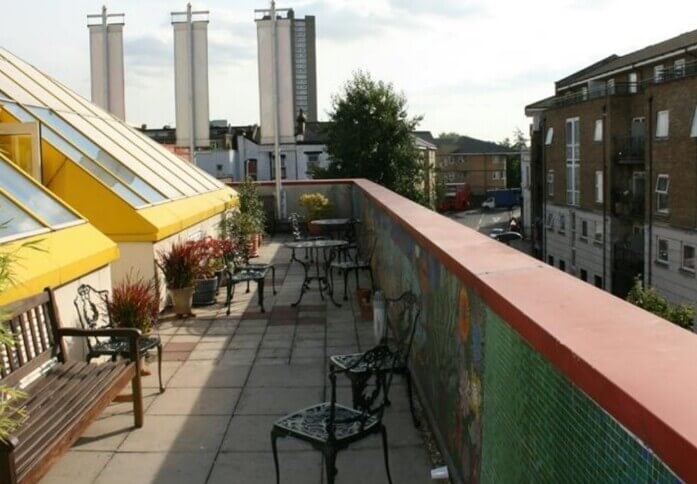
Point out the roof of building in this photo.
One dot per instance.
(315, 133)
(467, 145)
(614, 62)
(426, 136)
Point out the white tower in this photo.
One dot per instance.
(106, 61)
(191, 78)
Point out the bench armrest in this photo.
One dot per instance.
(130, 333)
(9, 444)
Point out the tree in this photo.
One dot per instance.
(370, 136)
(518, 143)
(449, 137)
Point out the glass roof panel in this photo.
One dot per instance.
(146, 194)
(33, 197)
(15, 221)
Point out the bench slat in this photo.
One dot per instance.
(66, 410)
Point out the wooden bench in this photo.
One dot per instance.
(66, 396)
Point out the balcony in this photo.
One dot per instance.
(629, 150)
(523, 372)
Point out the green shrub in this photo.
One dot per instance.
(647, 298)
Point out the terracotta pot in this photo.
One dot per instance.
(314, 229)
(366, 311)
(182, 300)
(363, 296)
(253, 246)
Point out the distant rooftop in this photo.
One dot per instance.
(467, 145)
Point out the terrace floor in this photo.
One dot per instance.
(228, 378)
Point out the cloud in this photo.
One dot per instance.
(442, 8)
(147, 51)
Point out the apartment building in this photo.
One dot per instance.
(614, 170)
(481, 164)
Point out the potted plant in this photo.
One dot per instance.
(180, 266)
(210, 255)
(134, 303)
(252, 207)
(316, 206)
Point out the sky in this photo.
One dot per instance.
(467, 66)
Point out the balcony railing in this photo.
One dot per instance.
(524, 370)
(689, 69)
(629, 149)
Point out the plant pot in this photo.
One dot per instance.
(365, 305)
(253, 246)
(313, 229)
(182, 300)
(205, 291)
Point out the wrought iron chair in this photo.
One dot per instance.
(330, 427)
(402, 315)
(91, 305)
(362, 261)
(239, 262)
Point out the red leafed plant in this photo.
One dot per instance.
(134, 303)
(180, 264)
(211, 253)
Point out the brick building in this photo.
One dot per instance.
(614, 169)
(481, 164)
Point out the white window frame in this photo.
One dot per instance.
(610, 86)
(683, 259)
(633, 80)
(598, 232)
(679, 68)
(598, 178)
(598, 131)
(573, 161)
(495, 175)
(549, 137)
(662, 123)
(662, 193)
(658, 73)
(693, 131)
(659, 253)
(550, 183)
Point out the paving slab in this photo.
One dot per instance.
(157, 468)
(177, 433)
(275, 401)
(196, 401)
(76, 467)
(258, 467)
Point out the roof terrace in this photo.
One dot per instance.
(523, 372)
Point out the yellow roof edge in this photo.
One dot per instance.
(173, 217)
(65, 255)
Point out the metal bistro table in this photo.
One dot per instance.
(327, 249)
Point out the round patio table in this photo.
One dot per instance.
(328, 250)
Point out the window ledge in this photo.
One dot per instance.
(687, 272)
(662, 263)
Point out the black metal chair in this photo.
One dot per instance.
(92, 310)
(362, 261)
(330, 427)
(239, 261)
(402, 315)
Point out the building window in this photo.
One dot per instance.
(272, 166)
(598, 282)
(562, 223)
(550, 183)
(573, 257)
(550, 221)
(662, 252)
(598, 131)
(611, 86)
(598, 186)
(693, 131)
(662, 186)
(573, 161)
(550, 260)
(584, 229)
(312, 163)
(658, 73)
(598, 232)
(562, 265)
(495, 175)
(250, 169)
(584, 275)
(633, 82)
(679, 68)
(550, 136)
(662, 124)
(688, 258)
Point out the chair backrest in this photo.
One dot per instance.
(373, 388)
(92, 307)
(402, 316)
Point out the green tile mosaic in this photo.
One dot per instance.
(539, 427)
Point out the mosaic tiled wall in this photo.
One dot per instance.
(503, 412)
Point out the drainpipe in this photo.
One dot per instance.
(543, 127)
(606, 238)
(649, 264)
